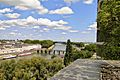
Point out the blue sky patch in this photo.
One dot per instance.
(57, 20)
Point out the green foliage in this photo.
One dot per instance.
(109, 25)
(44, 43)
(108, 20)
(91, 47)
(110, 51)
(68, 55)
(54, 66)
(27, 41)
(78, 44)
(53, 56)
(35, 68)
(82, 54)
(73, 53)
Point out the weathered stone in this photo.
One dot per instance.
(86, 69)
(110, 72)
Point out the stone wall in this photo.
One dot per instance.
(85, 69)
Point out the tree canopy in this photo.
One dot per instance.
(78, 44)
(109, 26)
(44, 43)
(36, 68)
(68, 55)
(91, 47)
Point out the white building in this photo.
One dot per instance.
(21, 49)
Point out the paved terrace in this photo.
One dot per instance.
(83, 69)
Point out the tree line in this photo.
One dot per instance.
(44, 43)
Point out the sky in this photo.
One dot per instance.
(56, 20)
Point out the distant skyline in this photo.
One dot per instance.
(56, 20)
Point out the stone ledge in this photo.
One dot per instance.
(83, 69)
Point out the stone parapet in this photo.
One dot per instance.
(86, 69)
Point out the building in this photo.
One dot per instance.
(17, 47)
(59, 49)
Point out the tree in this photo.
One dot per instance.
(82, 54)
(81, 44)
(109, 29)
(35, 42)
(68, 55)
(53, 56)
(91, 47)
(46, 43)
(35, 68)
(78, 44)
(27, 41)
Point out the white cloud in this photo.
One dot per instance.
(66, 16)
(12, 15)
(43, 11)
(19, 34)
(46, 29)
(1, 28)
(93, 26)
(15, 34)
(25, 4)
(89, 29)
(63, 28)
(15, 30)
(12, 33)
(44, 0)
(85, 32)
(5, 10)
(63, 33)
(71, 1)
(88, 1)
(74, 1)
(36, 27)
(21, 7)
(62, 22)
(30, 22)
(63, 10)
(41, 31)
(73, 31)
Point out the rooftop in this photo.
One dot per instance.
(59, 46)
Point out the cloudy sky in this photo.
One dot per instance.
(57, 20)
